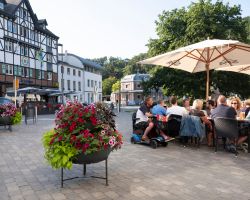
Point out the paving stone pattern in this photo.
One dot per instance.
(135, 171)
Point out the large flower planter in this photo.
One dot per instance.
(6, 121)
(83, 159)
(92, 158)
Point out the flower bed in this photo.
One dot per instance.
(80, 130)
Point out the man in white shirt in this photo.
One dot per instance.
(175, 109)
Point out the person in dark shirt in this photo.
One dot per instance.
(222, 110)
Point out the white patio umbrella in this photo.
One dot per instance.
(244, 69)
(204, 56)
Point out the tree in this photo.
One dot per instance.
(116, 86)
(182, 27)
(107, 85)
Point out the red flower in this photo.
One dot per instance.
(93, 120)
(60, 138)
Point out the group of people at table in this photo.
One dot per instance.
(223, 107)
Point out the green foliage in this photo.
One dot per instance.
(60, 154)
(116, 86)
(181, 27)
(107, 85)
(17, 118)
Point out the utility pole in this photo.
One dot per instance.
(62, 72)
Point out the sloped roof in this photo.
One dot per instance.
(12, 5)
(135, 77)
(87, 62)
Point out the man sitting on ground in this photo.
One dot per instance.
(142, 115)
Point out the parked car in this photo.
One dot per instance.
(4, 100)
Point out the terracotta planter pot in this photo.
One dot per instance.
(92, 158)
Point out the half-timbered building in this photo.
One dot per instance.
(28, 50)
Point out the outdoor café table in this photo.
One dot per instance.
(241, 123)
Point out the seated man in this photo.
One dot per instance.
(175, 109)
(223, 110)
(160, 111)
(142, 115)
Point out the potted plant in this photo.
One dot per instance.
(9, 115)
(82, 134)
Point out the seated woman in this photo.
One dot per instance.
(197, 111)
(236, 104)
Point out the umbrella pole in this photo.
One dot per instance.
(207, 85)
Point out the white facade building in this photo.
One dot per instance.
(28, 50)
(80, 78)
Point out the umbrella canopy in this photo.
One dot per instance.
(28, 90)
(244, 69)
(204, 56)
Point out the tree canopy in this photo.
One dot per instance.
(181, 27)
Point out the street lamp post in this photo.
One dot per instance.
(62, 72)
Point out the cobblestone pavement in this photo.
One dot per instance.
(135, 171)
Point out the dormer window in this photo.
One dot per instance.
(1, 6)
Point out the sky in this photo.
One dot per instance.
(118, 28)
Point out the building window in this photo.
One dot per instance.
(15, 28)
(92, 83)
(79, 73)
(24, 51)
(95, 83)
(25, 16)
(79, 86)
(43, 75)
(9, 26)
(138, 96)
(26, 72)
(62, 84)
(1, 6)
(74, 85)
(32, 35)
(138, 86)
(68, 71)
(74, 72)
(88, 83)
(20, 71)
(89, 101)
(15, 70)
(126, 86)
(49, 58)
(62, 69)
(31, 72)
(3, 69)
(100, 97)
(100, 84)
(49, 42)
(38, 74)
(21, 13)
(68, 82)
(36, 37)
(49, 75)
(8, 46)
(9, 69)
(80, 98)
